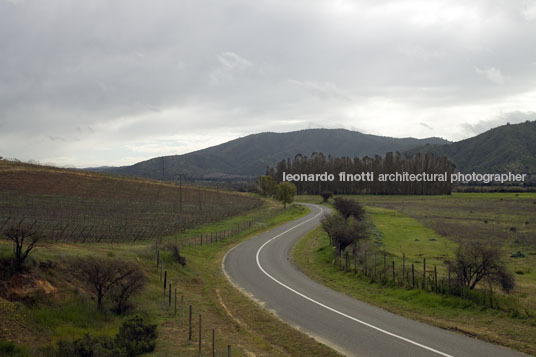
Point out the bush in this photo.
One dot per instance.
(175, 252)
(344, 233)
(136, 337)
(349, 208)
(326, 195)
(518, 254)
(133, 339)
(475, 261)
(8, 348)
(89, 346)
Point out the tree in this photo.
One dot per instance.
(475, 261)
(25, 239)
(268, 186)
(343, 232)
(326, 195)
(348, 208)
(126, 287)
(103, 275)
(285, 192)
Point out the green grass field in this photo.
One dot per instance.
(68, 313)
(431, 227)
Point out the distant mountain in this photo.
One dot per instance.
(249, 156)
(507, 148)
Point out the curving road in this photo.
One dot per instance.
(261, 267)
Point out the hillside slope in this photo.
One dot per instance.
(502, 149)
(249, 156)
(73, 205)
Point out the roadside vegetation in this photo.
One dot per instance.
(466, 237)
(51, 307)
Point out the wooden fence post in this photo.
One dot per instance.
(413, 275)
(175, 301)
(199, 333)
(448, 291)
(424, 274)
(374, 265)
(182, 310)
(403, 269)
(365, 266)
(435, 279)
(228, 350)
(190, 324)
(385, 265)
(169, 298)
(165, 278)
(213, 343)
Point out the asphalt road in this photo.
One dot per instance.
(262, 268)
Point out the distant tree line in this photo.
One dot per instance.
(318, 163)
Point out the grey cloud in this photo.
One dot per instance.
(115, 73)
(512, 118)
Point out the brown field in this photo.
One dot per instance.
(73, 205)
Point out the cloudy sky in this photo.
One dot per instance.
(90, 83)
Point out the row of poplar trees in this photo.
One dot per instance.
(318, 163)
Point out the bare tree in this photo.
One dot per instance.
(349, 208)
(103, 275)
(326, 195)
(25, 239)
(126, 287)
(475, 262)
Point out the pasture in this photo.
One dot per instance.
(431, 227)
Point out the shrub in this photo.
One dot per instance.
(344, 233)
(133, 339)
(349, 208)
(103, 276)
(8, 348)
(175, 252)
(518, 254)
(326, 195)
(89, 346)
(136, 337)
(475, 261)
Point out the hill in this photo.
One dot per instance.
(250, 155)
(511, 147)
(73, 205)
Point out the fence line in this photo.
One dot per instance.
(202, 329)
(435, 278)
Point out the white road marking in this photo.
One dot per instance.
(330, 308)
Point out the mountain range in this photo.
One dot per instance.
(507, 148)
(250, 155)
(502, 149)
